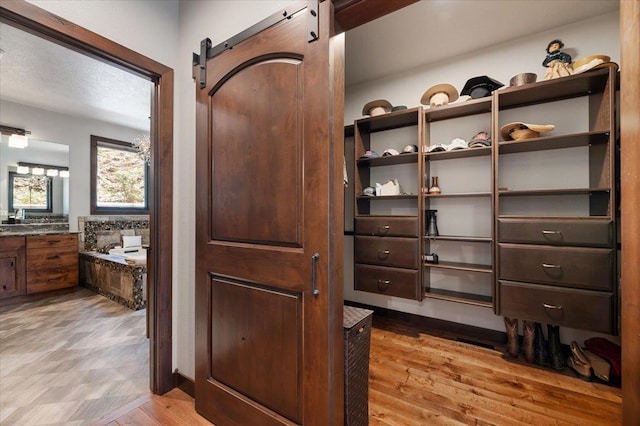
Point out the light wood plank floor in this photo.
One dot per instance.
(420, 379)
(70, 359)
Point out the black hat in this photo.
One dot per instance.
(481, 86)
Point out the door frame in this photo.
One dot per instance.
(42, 23)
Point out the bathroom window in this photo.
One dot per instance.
(29, 193)
(119, 178)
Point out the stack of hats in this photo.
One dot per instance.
(480, 139)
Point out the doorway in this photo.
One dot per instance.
(37, 21)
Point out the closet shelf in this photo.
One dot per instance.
(458, 109)
(471, 267)
(389, 160)
(554, 142)
(459, 195)
(459, 238)
(458, 153)
(563, 191)
(459, 297)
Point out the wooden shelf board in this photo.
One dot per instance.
(566, 191)
(388, 197)
(389, 160)
(460, 266)
(389, 121)
(459, 238)
(459, 109)
(459, 297)
(537, 218)
(458, 153)
(459, 194)
(553, 90)
(554, 142)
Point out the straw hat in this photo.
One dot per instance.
(448, 92)
(519, 130)
(377, 107)
(589, 62)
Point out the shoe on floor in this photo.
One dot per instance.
(583, 370)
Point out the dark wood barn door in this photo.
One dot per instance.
(269, 223)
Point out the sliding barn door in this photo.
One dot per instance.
(269, 223)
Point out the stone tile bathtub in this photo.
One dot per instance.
(107, 274)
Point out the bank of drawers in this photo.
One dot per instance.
(52, 262)
(557, 271)
(387, 257)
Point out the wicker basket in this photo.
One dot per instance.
(357, 337)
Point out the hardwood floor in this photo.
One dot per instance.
(70, 359)
(420, 379)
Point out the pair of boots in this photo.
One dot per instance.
(550, 351)
(535, 348)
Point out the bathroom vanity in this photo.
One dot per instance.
(37, 262)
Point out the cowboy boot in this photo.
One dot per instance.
(540, 346)
(555, 349)
(529, 339)
(511, 326)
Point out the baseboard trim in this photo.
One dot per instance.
(184, 383)
(437, 326)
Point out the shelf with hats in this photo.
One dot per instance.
(556, 201)
(458, 187)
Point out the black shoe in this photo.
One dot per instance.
(540, 346)
(555, 349)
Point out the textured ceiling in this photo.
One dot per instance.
(431, 31)
(42, 74)
(39, 73)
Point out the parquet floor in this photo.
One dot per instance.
(420, 379)
(70, 359)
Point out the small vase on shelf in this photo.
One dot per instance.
(434, 189)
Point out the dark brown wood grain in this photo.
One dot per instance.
(630, 207)
(353, 13)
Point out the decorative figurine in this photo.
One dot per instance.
(557, 62)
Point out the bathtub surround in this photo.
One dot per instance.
(97, 232)
(107, 274)
(111, 276)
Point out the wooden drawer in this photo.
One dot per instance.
(406, 226)
(52, 279)
(387, 251)
(56, 241)
(588, 268)
(388, 281)
(11, 243)
(51, 258)
(581, 309)
(572, 232)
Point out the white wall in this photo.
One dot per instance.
(68, 130)
(501, 62)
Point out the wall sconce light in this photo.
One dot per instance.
(17, 137)
(41, 169)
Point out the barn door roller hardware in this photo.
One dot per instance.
(207, 51)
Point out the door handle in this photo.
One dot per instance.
(314, 260)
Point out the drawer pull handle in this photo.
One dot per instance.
(551, 266)
(55, 256)
(545, 232)
(547, 306)
(383, 253)
(383, 285)
(384, 229)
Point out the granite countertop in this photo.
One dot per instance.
(34, 229)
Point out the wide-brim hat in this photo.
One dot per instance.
(589, 62)
(381, 103)
(480, 86)
(519, 130)
(447, 88)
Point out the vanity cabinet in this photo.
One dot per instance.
(12, 259)
(52, 262)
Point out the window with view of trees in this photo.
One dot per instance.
(119, 183)
(29, 192)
